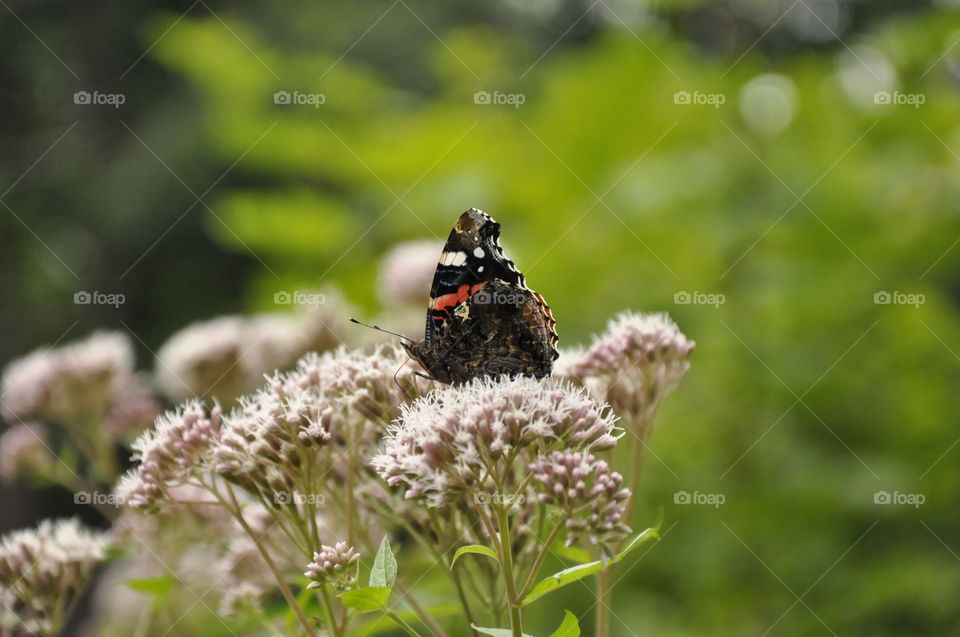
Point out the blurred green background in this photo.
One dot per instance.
(786, 188)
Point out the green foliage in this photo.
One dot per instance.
(576, 573)
(476, 549)
(569, 627)
(384, 572)
(366, 599)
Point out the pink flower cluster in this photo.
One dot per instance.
(169, 454)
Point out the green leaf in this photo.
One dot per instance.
(569, 627)
(366, 600)
(152, 586)
(478, 549)
(572, 553)
(384, 571)
(495, 632)
(578, 572)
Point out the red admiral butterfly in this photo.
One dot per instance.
(483, 320)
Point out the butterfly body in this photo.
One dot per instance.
(483, 320)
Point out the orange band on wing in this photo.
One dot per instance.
(445, 302)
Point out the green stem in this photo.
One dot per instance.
(425, 617)
(461, 594)
(636, 467)
(331, 614)
(281, 582)
(506, 560)
(602, 625)
(539, 561)
(407, 628)
(605, 577)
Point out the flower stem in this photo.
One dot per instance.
(407, 628)
(604, 585)
(427, 620)
(539, 562)
(506, 560)
(331, 614)
(643, 425)
(281, 582)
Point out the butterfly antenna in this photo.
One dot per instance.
(380, 329)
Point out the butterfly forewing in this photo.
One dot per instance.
(482, 318)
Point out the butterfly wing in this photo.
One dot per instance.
(501, 329)
(482, 319)
(471, 256)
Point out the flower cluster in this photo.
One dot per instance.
(228, 356)
(406, 273)
(45, 569)
(456, 437)
(508, 462)
(330, 565)
(169, 454)
(590, 495)
(637, 361)
(87, 388)
(299, 445)
(24, 451)
(71, 383)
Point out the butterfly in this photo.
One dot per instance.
(483, 320)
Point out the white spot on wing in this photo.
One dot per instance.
(453, 258)
(478, 252)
